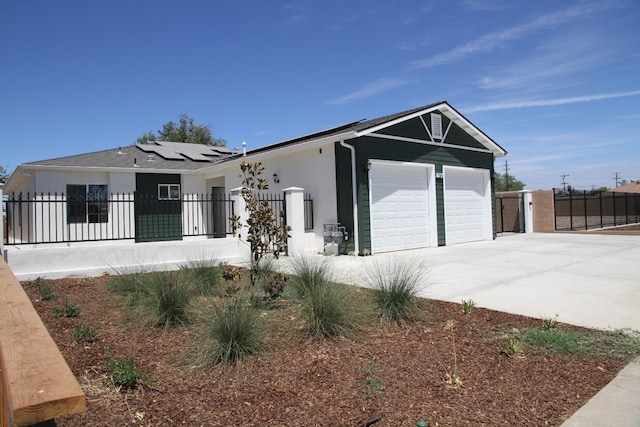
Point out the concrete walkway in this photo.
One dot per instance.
(585, 279)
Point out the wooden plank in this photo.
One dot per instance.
(41, 385)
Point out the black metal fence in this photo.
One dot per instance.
(308, 213)
(56, 218)
(589, 210)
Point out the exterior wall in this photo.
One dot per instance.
(312, 169)
(385, 149)
(543, 211)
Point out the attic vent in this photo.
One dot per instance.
(436, 126)
(150, 157)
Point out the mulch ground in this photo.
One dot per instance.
(397, 372)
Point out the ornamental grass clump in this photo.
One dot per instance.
(395, 284)
(168, 299)
(324, 303)
(204, 276)
(133, 286)
(230, 332)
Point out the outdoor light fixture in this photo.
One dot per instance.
(368, 165)
(276, 179)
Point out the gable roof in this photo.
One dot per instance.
(365, 127)
(178, 156)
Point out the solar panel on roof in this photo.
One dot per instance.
(180, 151)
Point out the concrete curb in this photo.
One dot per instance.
(617, 404)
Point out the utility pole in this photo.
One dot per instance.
(564, 183)
(616, 178)
(506, 175)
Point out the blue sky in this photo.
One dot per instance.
(556, 83)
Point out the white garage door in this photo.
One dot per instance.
(467, 205)
(400, 206)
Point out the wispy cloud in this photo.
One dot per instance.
(562, 56)
(491, 41)
(370, 90)
(506, 105)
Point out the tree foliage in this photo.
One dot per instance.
(184, 131)
(4, 175)
(512, 184)
(264, 234)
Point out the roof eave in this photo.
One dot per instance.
(274, 150)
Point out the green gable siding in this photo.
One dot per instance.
(414, 128)
(386, 149)
(408, 129)
(457, 136)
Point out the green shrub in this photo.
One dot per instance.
(84, 332)
(372, 384)
(204, 276)
(168, 299)
(123, 372)
(162, 297)
(326, 311)
(395, 284)
(513, 347)
(46, 291)
(468, 306)
(549, 323)
(266, 276)
(324, 304)
(69, 309)
(232, 331)
(132, 286)
(309, 273)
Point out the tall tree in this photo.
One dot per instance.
(184, 131)
(4, 175)
(510, 184)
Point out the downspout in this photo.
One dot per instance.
(356, 237)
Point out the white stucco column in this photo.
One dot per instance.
(294, 200)
(240, 209)
(528, 211)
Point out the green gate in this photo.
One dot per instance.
(158, 207)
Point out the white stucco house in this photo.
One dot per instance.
(413, 179)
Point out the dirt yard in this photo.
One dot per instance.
(396, 372)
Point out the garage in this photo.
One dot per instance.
(467, 204)
(402, 202)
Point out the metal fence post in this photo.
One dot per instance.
(600, 198)
(570, 210)
(584, 202)
(626, 208)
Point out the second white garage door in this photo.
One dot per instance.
(467, 205)
(402, 206)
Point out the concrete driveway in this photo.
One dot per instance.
(589, 280)
(586, 279)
